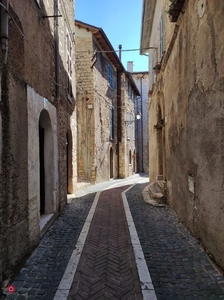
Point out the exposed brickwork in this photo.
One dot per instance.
(127, 165)
(107, 267)
(94, 101)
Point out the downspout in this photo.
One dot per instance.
(57, 91)
(120, 47)
(4, 28)
(119, 127)
(56, 12)
(142, 121)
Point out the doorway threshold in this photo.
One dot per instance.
(46, 220)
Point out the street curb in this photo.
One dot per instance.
(67, 279)
(147, 287)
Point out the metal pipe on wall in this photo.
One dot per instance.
(142, 169)
(57, 65)
(4, 29)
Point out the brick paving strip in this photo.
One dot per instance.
(107, 267)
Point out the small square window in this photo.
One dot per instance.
(38, 2)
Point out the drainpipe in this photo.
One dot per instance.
(56, 12)
(4, 28)
(119, 127)
(142, 121)
(120, 47)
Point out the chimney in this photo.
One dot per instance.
(120, 47)
(130, 66)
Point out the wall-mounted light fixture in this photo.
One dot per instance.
(137, 117)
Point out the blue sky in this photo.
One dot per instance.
(121, 21)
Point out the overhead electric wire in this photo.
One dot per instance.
(114, 51)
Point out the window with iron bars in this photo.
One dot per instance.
(69, 64)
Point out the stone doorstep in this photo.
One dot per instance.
(148, 199)
(46, 221)
(162, 185)
(159, 177)
(155, 191)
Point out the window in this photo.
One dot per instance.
(38, 2)
(110, 76)
(133, 97)
(153, 76)
(111, 123)
(115, 83)
(128, 126)
(69, 64)
(161, 29)
(130, 158)
(129, 88)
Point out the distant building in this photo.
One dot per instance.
(106, 95)
(142, 131)
(129, 121)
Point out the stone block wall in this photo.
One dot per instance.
(94, 101)
(28, 90)
(127, 144)
(85, 106)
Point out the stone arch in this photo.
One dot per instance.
(46, 162)
(111, 163)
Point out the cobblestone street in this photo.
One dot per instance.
(178, 266)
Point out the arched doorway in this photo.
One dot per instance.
(69, 162)
(134, 162)
(160, 142)
(111, 163)
(130, 158)
(46, 162)
(42, 169)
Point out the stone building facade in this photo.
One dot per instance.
(142, 130)
(102, 106)
(127, 145)
(37, 85)
(185, 44)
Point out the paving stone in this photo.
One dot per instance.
(165, 237)
(54, 249)
(179, 268)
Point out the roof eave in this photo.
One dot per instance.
(147, 21)
(98, 34)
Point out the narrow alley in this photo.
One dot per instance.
(92, 251)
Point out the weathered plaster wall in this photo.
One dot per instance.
(193, 94)
(13, 191)
(31, 62)
(156, 100)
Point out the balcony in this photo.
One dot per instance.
(174, 9)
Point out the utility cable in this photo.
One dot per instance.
(32, 48)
